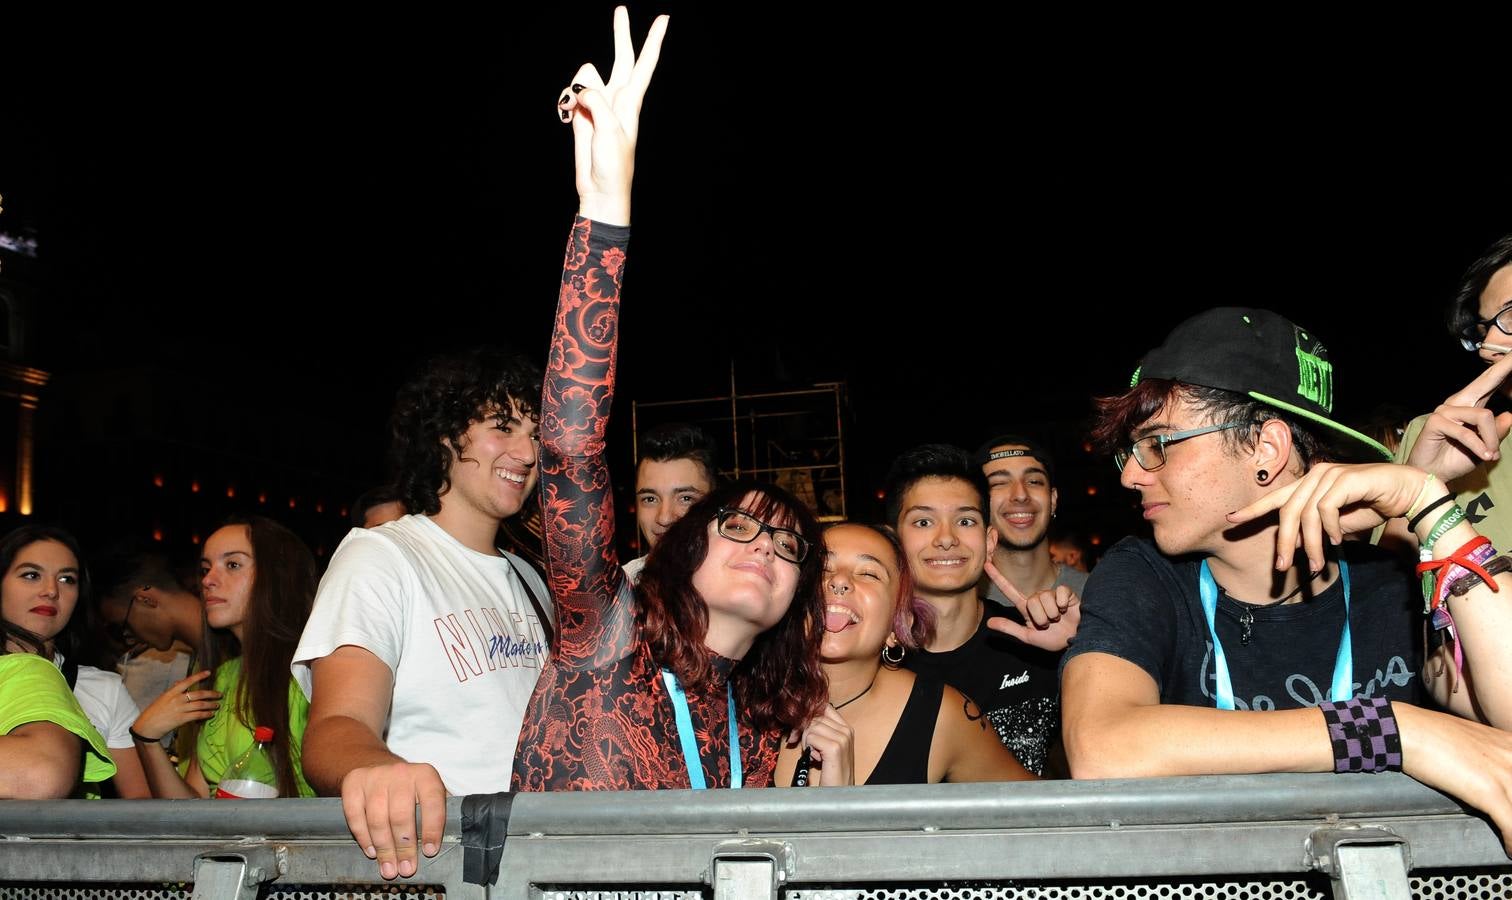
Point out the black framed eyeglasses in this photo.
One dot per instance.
(121, 630)
(1471, 335)
(1149, 452)
(742, 527)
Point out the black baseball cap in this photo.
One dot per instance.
(1032, 448)
(1261, 355)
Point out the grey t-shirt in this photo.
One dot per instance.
(1075, 579)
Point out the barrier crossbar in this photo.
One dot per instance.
(1242, 836)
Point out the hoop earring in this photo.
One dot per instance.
(892, 660)
(1262, 476)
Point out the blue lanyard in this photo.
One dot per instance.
(690, 744)
(1343, 674)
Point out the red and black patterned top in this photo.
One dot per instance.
(600, 717)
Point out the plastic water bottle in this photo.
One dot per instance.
(252, 776)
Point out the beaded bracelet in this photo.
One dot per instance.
(1364, 735)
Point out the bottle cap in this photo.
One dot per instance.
(262, 734)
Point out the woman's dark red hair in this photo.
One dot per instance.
(779, 685)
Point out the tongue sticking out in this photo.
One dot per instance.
(836, 621)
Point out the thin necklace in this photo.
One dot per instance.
(806, 759)
(1247, 618)
(858, 696)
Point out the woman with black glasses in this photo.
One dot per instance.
(689, 678)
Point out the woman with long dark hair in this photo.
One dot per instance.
(258, 581)
(46, 610)
(689, 679)
(907, 728)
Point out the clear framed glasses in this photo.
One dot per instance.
(742, 527)
(1150, 452)
(1471, 335)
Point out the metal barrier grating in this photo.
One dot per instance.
(643, 894)
(93, 892)
(1462, 885)
(107, 891)
(354, 892)
(1204, 889)
(1445, 886)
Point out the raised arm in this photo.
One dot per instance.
(577, 501)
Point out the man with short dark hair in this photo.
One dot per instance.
(376, 507)
(676, 469)
(1069, 547)
(158, 617)
(1214, 649)
(937, 500)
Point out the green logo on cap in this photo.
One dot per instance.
(1315, 379)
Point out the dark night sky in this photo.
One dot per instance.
(972, 222)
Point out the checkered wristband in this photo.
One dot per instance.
(1364, 735)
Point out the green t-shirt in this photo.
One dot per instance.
(33, 690)
(225, 738)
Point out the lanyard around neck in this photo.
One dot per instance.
(1343, 674)
(689, 743)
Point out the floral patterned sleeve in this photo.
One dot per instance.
(595, 614)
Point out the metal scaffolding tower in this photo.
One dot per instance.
(793, 438)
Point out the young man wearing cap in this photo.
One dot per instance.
(1021, 479)
(1208, 651)
(937, 500)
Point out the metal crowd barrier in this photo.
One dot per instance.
(1252, 837)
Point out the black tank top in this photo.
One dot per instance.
(905, 759)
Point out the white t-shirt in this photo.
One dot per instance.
(633, 569)
(148, 673)
(103, 697)
(458, 631)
